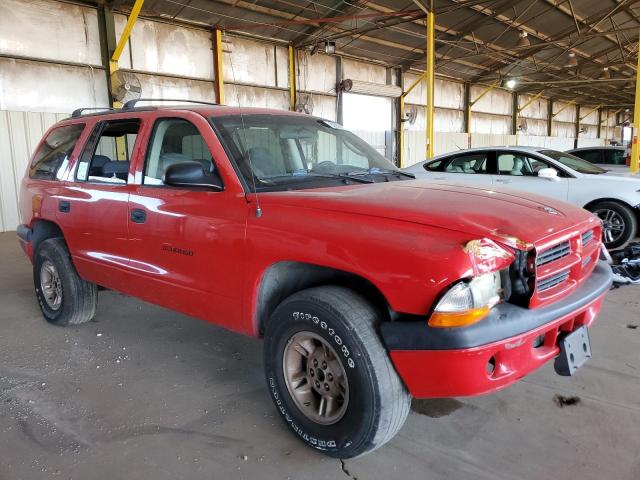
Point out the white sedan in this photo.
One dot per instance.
(614, 198)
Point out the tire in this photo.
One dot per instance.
(64, 297)
(619, 222)
(374, 403)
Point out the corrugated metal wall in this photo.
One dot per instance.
(20, 133)
(176, 62)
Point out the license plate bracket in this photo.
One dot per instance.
(575, 350)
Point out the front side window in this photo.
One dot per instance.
(293, 152)
(174, 140)
(515, 164)
(107, 155)
(471, 163)
(54, 151)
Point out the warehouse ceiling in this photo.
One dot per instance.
(583, 50)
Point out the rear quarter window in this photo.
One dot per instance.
(54, 151)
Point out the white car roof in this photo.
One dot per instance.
(506, 148)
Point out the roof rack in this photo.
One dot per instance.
(78, 112)
(132, 103)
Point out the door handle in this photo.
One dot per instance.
(439, 178)
(64, 206)
(138, 215)
(502, 180)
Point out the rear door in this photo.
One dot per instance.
(187, 243)
(519, 170)
(96, 202)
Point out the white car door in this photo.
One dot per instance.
(519, 170)
(467, 169)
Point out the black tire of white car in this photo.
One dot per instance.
(627, 216)
(76, 299)
(378, 402)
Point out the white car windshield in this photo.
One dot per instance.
(574, 163)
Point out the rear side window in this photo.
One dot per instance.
(107, 155)
(471, 163)
(55, 151)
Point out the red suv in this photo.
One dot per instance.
(369, 287)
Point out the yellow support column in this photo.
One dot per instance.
(636, 121)
(217, 64)
(292, 78)
(121, 146)
(430, 77)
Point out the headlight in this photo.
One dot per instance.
(467, 302)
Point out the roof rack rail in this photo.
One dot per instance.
(78, 112)
(132, 103)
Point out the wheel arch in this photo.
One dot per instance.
(607, 199)
(285, 278)
(42, 230)
(636, 211)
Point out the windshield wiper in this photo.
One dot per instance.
(382, 171)
(307, 173)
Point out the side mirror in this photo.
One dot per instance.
(191, 174)
(549, 174)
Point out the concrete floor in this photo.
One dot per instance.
(145, 393)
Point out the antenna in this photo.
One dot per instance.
(244, 134)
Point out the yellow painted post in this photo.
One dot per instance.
(430, 77)
(124, 38)
(636, 121)
(292, 78)
(402, 112)
(217, 64)
(121, 146)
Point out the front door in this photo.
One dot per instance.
(519, 171)
(187, 241)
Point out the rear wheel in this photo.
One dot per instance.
(618, 221)
(329, 375)
(64, 297)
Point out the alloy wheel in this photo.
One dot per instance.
(315, 378)
(51, 285)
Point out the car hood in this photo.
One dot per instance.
(510, 216)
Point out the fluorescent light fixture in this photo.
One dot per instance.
(509, 83)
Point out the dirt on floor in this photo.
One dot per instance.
(145, 393)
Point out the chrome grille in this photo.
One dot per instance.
(554, 253)
(552, 281)
(587, 237)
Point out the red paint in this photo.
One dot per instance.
(456, 373)
(406, 238)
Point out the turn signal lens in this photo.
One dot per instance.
(466, 303)
(458, 319)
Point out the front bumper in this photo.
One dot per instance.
(497, 351)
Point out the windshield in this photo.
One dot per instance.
(287, 151)
(575, 163)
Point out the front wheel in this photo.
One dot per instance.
(329, 375)
(619, 224)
